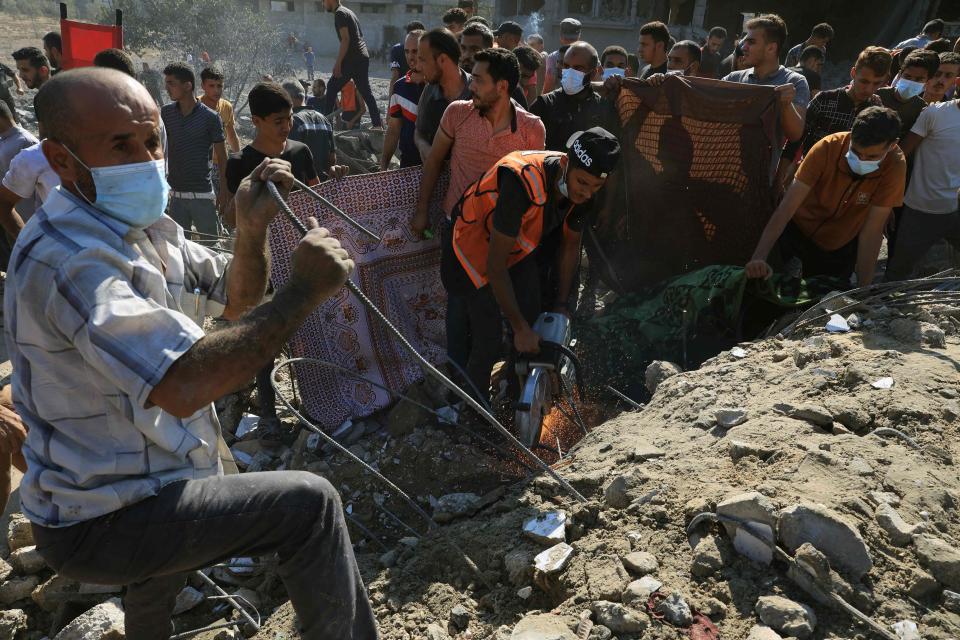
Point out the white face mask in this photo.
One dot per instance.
(613, 71)
(572, 81)
(562, 185)
(908, 88)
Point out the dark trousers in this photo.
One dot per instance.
(486, 326)
(357, 70)
(152, 545)
(816, 261)
(916, 233)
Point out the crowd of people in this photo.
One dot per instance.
(114, 378)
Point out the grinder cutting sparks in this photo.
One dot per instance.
(489, 265)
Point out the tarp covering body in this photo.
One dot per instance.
(82, 41)
(693, 188)
(400, 274)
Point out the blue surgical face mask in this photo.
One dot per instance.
(572, 81)
(562, 185)
(862, 167)
(134, 193)
(613, 71)
(908, 88)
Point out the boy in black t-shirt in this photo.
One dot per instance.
(271, 109)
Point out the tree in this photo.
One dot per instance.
(243, 43)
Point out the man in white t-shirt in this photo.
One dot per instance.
(28, 178)
(930, 209)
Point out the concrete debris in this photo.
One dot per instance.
(786, 616)
(860, 467)
(460, 617)
(658, 371)
(644, 452)
(883, 383)
(708, 557)
(435, 632)
(828, 532)
(519, 566)
(19, 532)
(27, 560)
(638, 592)
(524, 592)
(618, 618)
(901, 533)
(620, 492)
(760, 632)
(542, 626)
(187, 599)
(738, 352)
(388, 559)
(640, 563)
(907, 630)
(104, 621)
(5, 570)
(12, 621)
(940, 559)
(760, 512)
(922, 584)
(554, 559)
(16, 589)
(52, 593)
(455, 505)
(837, 324)
(730, 417)
(951, 601)
(675, 610)
(813, 413)
(739, 449)
(547, 528)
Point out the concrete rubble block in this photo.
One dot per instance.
(15, 589)
(901, 534)
(455, 505)
(618, 618)
(19, 532)
(729, 417)
(542, 626)
(951, 601)
(738, 449)
(606, 578)
(104, 621)
(786, 616)
(52, 593)
(658, 371)
(554, 559)
(760, 632)
(5, 570)
(187, 599)
(547, 528)
(622, 489)
(645, 451)
(638, 592)
(436, 632)
(675, 610)
(933, 335)
(709, 556)
(848, 411)
(940, 559)
(519, 566)
(922, 584)
(813, 413)
(830, 533)
(640, 563)
(906, 330)
(460, 617)
(860, 467)
(756, 509)
(12, 621)
(27, 560)
(906, 630)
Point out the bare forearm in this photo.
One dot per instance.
(249, 270)
(431, 173)
(233, 139)
(792, 122)
(772, 232)
(10, 220)
(868, 250)
(569, 257)
(342, 53)
(236, 353)
(422, 145)
(390, 142)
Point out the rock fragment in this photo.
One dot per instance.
(658, 371)
(104, 621)
(786, 616)
(620, 492)
(760, 632)
(901, 533)
(828, 532)
(730, 417)
(739, 449)
(542, 626)
(758, 510)
(187, 599)
(16, 589)
(12, 621)
(455, 505)
(640, 563)
(618, 618)
(460, 617)
(638, 592)
(554, 559)
(708, 557)
(940, 559)
(19, 532)
(26, 560)
(675, 610)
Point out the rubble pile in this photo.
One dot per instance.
(749, 498)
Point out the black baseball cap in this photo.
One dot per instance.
(509, 27)
(595, 150)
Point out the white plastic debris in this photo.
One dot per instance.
(837, 324)
(247, 424)
(907, 630)
(553, 559)
(738, 352)
(883, 383)
(547, 528)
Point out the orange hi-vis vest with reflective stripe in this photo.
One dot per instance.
(472, 228)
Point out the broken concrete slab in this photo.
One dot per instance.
(606, 578)
(658, 371)
(830, 533)
(27, 560)
(638, 592)
(940, 559)
(759, 511)
(19, 532)
(901, 534)
(542, 626)
(455, 505)
(620, 492)
(738, 449)
(519, 566)
(554, 559)
(813, 413)
(104, 621)
(708, 557)
(16, 589)
(187, 599)
(618, 618)
(728, 417)
(640, 563)
(786, 616)
(644, 452)
(547, 528)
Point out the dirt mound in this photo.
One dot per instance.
(836, 458)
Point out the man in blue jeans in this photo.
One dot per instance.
(353, 61)
(116, 382)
